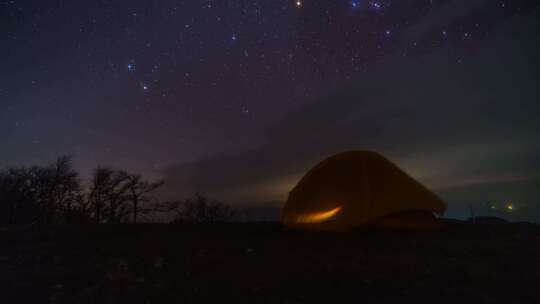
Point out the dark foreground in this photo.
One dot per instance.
(260, 263)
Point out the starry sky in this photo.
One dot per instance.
(238, 98)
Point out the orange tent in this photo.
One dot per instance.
(360, 188)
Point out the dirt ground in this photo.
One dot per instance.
(262, 263)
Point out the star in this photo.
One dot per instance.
(375, 5)
(245, 110)
(205, 69)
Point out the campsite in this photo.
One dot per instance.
(357, 188)
(355, 228)
(270, 151)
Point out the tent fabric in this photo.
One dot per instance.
(358, 188)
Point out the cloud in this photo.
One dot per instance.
(296, 137)
(452, 125)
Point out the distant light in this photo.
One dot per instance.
(375, 5)
(318, 217)
(245, 111)
(298, 3)
(510, 207)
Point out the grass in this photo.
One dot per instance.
(262, 263)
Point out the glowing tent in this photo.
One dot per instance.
(360, 188)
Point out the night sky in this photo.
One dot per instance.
(238, 98)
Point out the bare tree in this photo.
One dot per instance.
(18, 204)
(79, 210)
(138, 190)
(97, 196)
(63, 186)
(200, 209)
(54, 193)
(40, 192)
(116, 196)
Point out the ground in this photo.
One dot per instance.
(262, 263)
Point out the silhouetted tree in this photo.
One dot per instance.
(39, 193)
(78, 211)
(97, 196)
(116, 196)
(17, 197)
(62, 185)
(202, 210)
(54, 193)
(138, 190)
